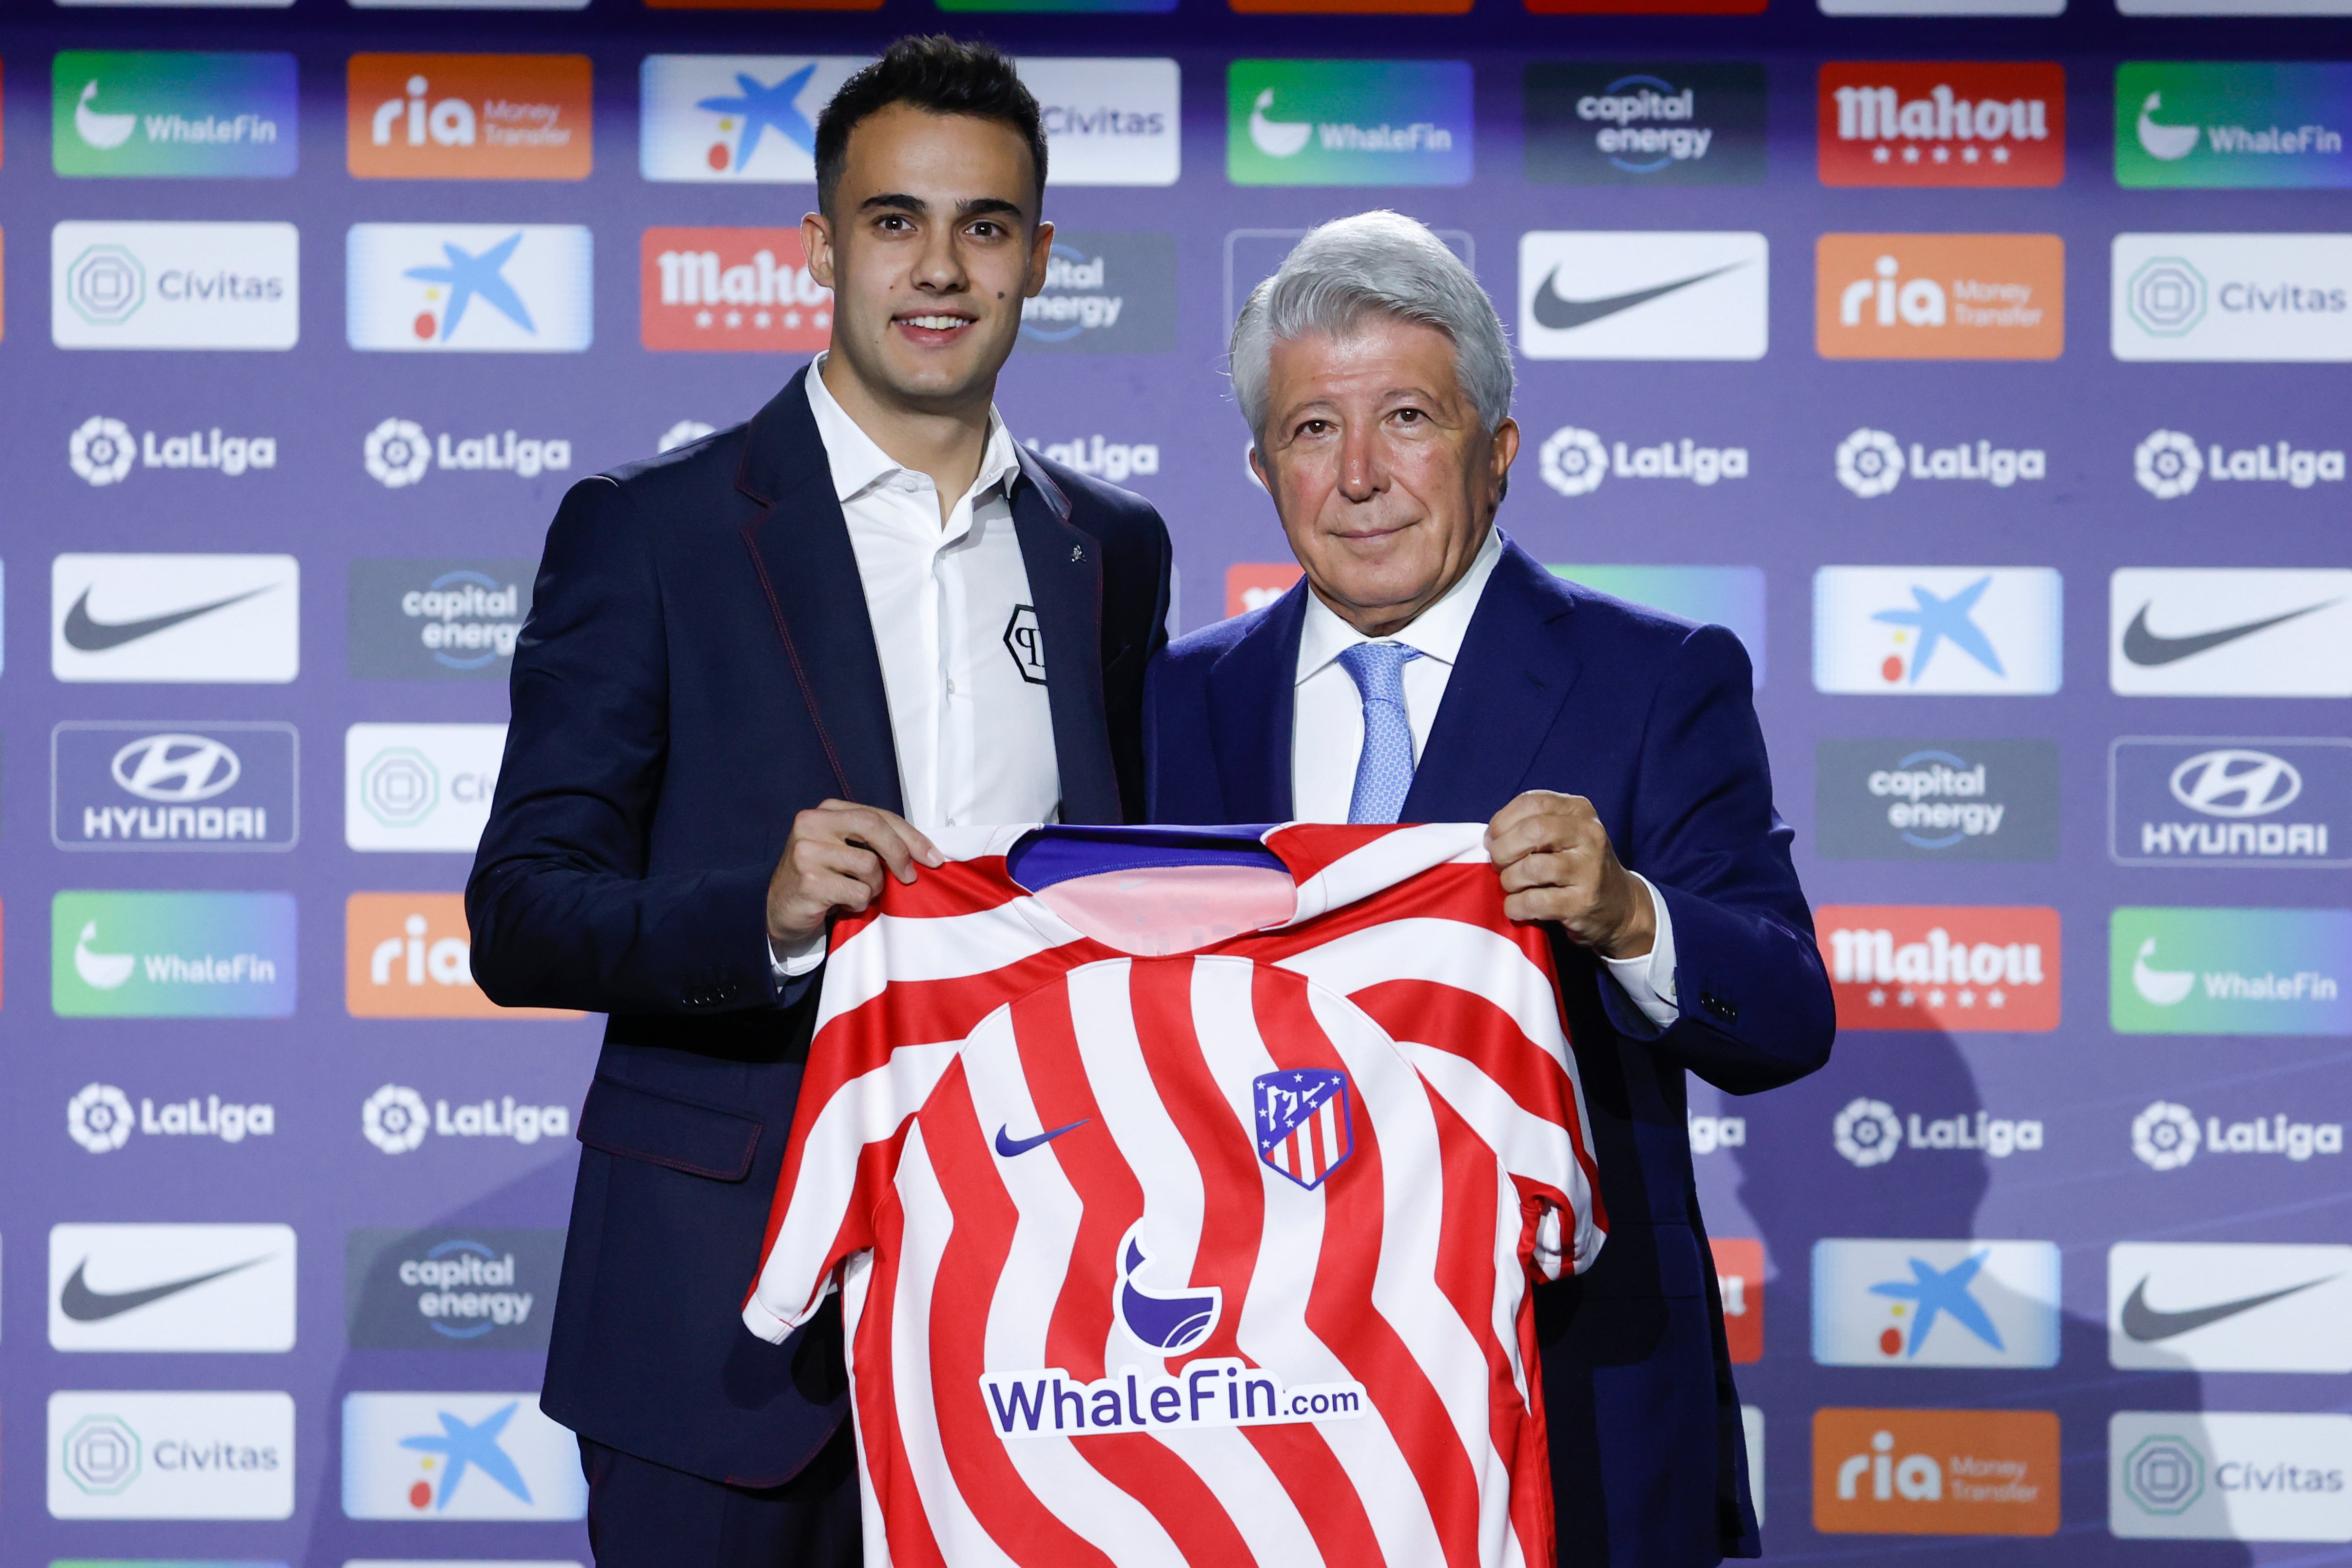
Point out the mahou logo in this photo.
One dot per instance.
(1943, 122)
(1957, 968)
(730, 288)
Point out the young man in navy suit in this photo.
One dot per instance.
(757, 669)
(1427, 670)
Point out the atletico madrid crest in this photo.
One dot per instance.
(1302, 1123)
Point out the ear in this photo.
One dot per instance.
(1504, 451)
(816, 247)
(1041, 251)
(1258, 469)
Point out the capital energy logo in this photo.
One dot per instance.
(174, 286)
(395, 1120)
(1113, 460)
(2169, 464)
(210, 1455)
(172, 955)
(1872, 462)
(1935, 1303)
(1348, 122)
(1729, 596)
(437, 619)
(1939, 296)
(2243, 298)
(1952, 966)
(2230, 802)
(470, 288)
(116, 785)
(1943, 122)
(100, 1119)
(450, 1290)
(1895, 799)
(419, 786)
(1738, 1263)
(2182, 124)
(174, 617)
(2230, 1307)
(171, 1287)
(1107, 292)
(103, 452)
(162, 113)
(1868, 1133)
(459, 1456)
(735, 116)
(1935, 1472)
(2230, 632)
(1894, 631)
(398, 453)
(1645, 124)
(2182, 1475)
(1573, 461)
(2229, 971)
(1106, 121)
(469, 117)
(1643, 294)
(730, 289)
(409, 954)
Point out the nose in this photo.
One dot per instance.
(1362, 477)
(939, 268)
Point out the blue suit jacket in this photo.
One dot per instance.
(698, 668)
(1651, 718)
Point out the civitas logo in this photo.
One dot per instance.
(1708, 1134)
(1869, 1133)
(1111, 460)
(1871, 462)
(2167, 1136)
(399, 453)
(100, 1119)
(1573, 461)
(2169, 463)
(103, 451)
(395, 1120)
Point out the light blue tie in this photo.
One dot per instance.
(1384, 770)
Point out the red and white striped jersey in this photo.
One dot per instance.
(1189, 1214)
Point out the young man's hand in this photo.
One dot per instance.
(834, 862)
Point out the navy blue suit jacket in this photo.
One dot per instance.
(1651, 718)
(699, 667)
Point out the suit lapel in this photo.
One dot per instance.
(1514, 673)
(1064, 565)
(1251, 693)
(800, 550)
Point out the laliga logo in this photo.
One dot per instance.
(393, 1119)
(1869, 463)
(398, 453)
(1867, 1131)
(101, 450)
(2165, 1136)
(2169, 465)
(1574, 461)
(99, 1118)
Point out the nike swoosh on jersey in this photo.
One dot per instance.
(1009, 1145)
(84, 1305)
(2147, 1324)
(2144, 647)
(94, 636)
(1561, 315)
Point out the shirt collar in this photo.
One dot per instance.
(858, 464)
(1436, 633)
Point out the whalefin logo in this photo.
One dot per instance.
(1171, 1324)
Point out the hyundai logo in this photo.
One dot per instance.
(177, 769)
(2234, 783)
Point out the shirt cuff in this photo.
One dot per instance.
(1648, 982)
(790, 963)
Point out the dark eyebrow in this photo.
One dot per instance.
(978, 206)
(981, 207)
(894, 201)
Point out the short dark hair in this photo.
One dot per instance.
(938, 75)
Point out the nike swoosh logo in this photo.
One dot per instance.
(1562, 315)
(95, 636)
(84, 1305)
(2144, 647)
(1009, 1146)
(2147, 1324)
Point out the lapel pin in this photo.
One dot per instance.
(1077, 552)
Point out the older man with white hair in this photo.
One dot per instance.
(1426, 669)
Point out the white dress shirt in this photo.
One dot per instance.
(1327, 737)
(962, 668)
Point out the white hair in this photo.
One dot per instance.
(1373, 264)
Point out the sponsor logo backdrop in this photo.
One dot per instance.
(1983, 376)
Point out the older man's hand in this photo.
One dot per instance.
(1556, 864)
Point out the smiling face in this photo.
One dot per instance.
(932, 244)
(1384, 476)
